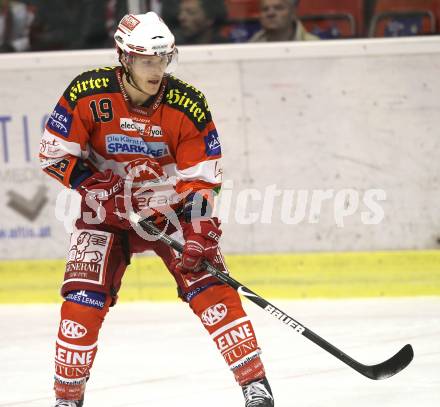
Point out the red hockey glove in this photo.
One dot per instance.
(103, 192)
(201, 242)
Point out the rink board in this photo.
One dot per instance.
(289, 276)
(340, 120)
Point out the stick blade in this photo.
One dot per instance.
(391, 366)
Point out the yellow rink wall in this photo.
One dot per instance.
(288, 276)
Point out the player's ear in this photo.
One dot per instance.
(123, 58)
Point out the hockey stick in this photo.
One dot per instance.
(380, 371)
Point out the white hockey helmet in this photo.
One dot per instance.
(145, 34)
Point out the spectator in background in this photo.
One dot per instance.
(279, 23)
(15, 21)
(82, 24)
(200, 22)
(369, 6)
(167, 9)
(114, 11)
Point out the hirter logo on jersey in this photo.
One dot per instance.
(60, 121)
(212, 144)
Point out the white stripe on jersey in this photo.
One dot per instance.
(209, 171)
(53, 148)
(236, 322)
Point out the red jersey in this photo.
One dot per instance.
(94, 121)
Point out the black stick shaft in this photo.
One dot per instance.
(381, 371)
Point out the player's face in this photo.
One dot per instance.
(148, 71)
(276, 14)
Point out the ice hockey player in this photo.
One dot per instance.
(133, 137)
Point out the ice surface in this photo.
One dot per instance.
(158, 354)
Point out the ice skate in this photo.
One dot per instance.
(69, 403)
(258, 394)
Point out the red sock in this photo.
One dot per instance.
(76, 347)
(220, 310)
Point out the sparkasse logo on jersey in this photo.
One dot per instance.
(122, 144)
